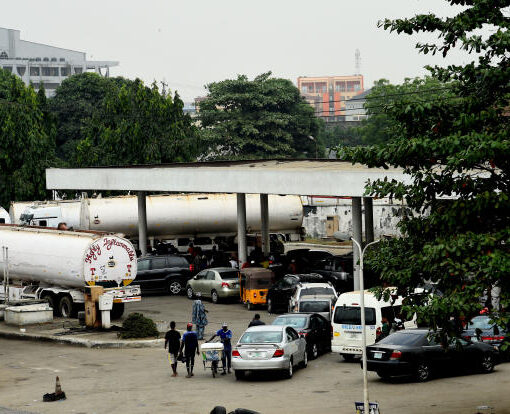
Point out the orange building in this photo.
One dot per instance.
(327, 94)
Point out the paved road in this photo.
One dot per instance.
(138, 380)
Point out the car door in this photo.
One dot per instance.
(142, 273)
(293, 345)
(285, 292)
(323, 332)
(198, 281)
(434, 353)
(157, 273)
(314, 336)
(209, 283)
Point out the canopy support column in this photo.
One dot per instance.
(264, 219)
(241, 228)
(142, 222)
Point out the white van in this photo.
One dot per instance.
(346, 321)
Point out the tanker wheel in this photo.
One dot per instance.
(50, 298)
(117, 311)
(65, 306)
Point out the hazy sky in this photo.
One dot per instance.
(191, 43)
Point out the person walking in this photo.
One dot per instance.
(198, 316)
(189, 346)
(225, 335)
(256, 321)
(172, 342)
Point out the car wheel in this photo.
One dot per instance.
(269, 306)
(214, 297)
(314, 351)
(65, 306)
(304, 363)
(383, 375)
(487, 364)
(423, 372)
(189, 292)
(290, 370)
(249, 305)
(348, 357)
(239, 374)
(174, 287)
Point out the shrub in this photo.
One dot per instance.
(138, 326)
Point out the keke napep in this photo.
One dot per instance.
(254, 283)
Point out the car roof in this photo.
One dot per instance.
(223, 269)
(315, 284)
(266, 328)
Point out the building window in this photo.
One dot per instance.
(78, 69)
(21, 70)
(53, 59)
(8, 68)
(64, 71)
(4, 55)
(34, 71)
(62, 59)
(49, 71)
(37, 59)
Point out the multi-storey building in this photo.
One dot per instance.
(328, 94)
(38, 63)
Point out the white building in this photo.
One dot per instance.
(355, 107)
(43, 64)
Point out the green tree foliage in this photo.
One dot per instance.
(456, 148)
(263, 118)
(136, 124)
(138, 326)
(27, 141)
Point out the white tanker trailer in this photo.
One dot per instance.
(168, 216)
(57, 266)
(4, 216)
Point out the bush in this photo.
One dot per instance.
(138, 326)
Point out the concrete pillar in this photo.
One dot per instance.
(369, 219)
(142, 222)
(241, 228)
(264, 220)
(357, 235)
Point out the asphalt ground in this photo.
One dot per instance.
(139, 381)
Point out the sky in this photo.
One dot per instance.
(188, 44)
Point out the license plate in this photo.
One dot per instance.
(354, 335)
(257, 354)
(377, 355)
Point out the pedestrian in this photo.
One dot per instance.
(256, 321)
(172, 341)
(198, 316)
(197, 261)
(191, 249)
(385, 328)
(62, 226)
(189, 346)
(233, 263)
(225, 335)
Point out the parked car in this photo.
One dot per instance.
(416, 352)
(169, 273)
(306, 259)
(321, 304)
(269, 347)
(480, 329)
(338, 270)
(216, 283)
(303, 289)
(313, 327)
(279, 294)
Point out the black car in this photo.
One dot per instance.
(169, 273)
(279, 294)
(338, 270)
(480, 329)
(416, 352)
(314, 327)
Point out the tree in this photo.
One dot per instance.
(456, 148)
(27, 141)
(137, 125)
(263, 118)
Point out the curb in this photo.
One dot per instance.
(86, 343)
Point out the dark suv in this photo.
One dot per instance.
(169, 273)
(279, 294)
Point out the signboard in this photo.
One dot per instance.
(360, 407)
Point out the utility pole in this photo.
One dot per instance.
(163, 87)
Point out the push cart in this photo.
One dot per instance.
(212, 352)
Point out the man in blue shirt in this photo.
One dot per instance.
(225, 335)
(189, 344)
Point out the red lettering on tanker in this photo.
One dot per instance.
(94, 251)
(109, 243)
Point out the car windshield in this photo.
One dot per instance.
(317, 291)
(229, 275)
(294, 321)
(480, 322)
(315, 306)
(258, 337)
(351, 315)
(402, 338)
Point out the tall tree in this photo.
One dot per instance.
(456, 149)
(136, 124)
(262, 118)
(27, 141)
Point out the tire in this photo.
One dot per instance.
(174, 287)
(50, 298)
(65, 306)
(239, 374)
(423, 371)
(487, 364)
(289, 371)
(304, 362)
(117, 311)
(189, 292)
(214, 297)
(383, 375)
(269, 306)
(313, 351)
(250, 306)
(219, 410)
(348, 357)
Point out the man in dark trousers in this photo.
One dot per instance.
(173, 341)
(256, 321)
(225, 335)
(189, 344)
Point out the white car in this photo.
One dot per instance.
(269, 347)
(311, 289)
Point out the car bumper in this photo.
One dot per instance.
(342, 349)
(260, 364)
(228, 293)
(390, 367)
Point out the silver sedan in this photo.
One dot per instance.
(216, 283)
(269, 347)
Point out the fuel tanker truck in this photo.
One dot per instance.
(57, 265)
